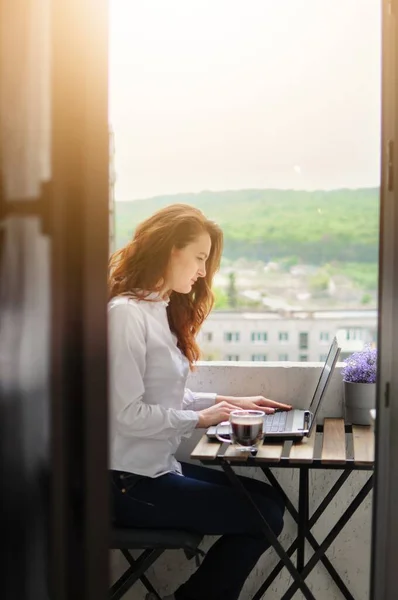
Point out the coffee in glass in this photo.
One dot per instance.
(246, 429)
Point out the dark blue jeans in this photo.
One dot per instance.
(202, 501)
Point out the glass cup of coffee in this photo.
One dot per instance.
(246, 429)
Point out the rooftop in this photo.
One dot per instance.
(369, 314)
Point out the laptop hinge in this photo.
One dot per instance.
(308, 416)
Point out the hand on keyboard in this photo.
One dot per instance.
(255, 403)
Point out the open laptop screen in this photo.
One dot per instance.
(324, 378)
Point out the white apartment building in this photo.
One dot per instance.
(297, 336)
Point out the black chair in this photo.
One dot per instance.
(153, 542)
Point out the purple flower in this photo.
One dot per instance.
(361, 367)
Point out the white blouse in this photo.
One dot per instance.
(150, 407)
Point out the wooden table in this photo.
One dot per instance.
(335, 445)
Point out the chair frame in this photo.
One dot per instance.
(135, 572)
(168, 540)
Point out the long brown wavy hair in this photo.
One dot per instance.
(139, 269)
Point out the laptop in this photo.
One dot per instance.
(296, 423)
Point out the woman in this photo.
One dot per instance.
(160, 294)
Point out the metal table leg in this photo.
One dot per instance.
(302, 516)
(271, 537)
(317, 514)
(331, 536)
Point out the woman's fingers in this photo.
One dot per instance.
(274, 404)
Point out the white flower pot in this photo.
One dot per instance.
(359, 399)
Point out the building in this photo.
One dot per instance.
(279, 336)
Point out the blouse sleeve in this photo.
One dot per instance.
(198, 400)
(127, 357)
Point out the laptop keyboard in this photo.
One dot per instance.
(276, 422)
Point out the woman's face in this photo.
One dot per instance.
(188, 264)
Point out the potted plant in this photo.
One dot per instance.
(359, 376)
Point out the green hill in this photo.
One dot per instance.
(316, 227)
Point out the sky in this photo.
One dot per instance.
(243, 94)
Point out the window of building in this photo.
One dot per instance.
(283, 357)
(324, 336)
(322, 357)
(303, 341)
(259, 336)
(303, 357)
(259, 357)
(207, 336)
(232, 357)
(283, 336)
(231, 336)
(355, 334)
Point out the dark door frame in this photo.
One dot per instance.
(80, 193)
(54, 162)
(384, 580)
